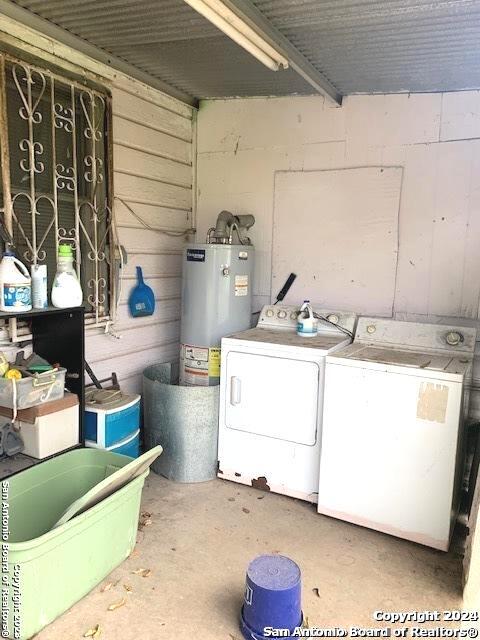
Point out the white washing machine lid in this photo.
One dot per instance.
(431, 365)
(267, 337)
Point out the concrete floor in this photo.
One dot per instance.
(200, 542)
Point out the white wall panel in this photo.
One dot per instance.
(162, 286)
(460, 115)
(153, 215)
(145, 190)
(242, 143)
(138, 136)
(136, 109)
(153, 174)
(351, 248)
(434, 137)
(138, 163)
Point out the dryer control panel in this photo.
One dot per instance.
(282, 316)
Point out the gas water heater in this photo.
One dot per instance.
(216, 296)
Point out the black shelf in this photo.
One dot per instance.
(59, 336)
(26, 315)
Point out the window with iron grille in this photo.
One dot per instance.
(56, 176)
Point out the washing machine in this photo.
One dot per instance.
(393, 421)
(271, 400)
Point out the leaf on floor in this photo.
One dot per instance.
(117, 605)
(94, 632)
(107, 587)
(316, 592)
(128, 588)
(145, 520)
(142, 572)
(245, 510)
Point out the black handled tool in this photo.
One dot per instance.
(286, 287)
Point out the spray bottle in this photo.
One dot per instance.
(307, 325)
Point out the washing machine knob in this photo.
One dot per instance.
(333, 318)
(454, 338)
(294, 315)
(269, 313)
(371, 328)
(282, 315)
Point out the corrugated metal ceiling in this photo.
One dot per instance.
(364, 46)
(395, 45)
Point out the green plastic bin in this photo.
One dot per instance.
(49, 570)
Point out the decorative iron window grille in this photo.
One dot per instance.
(57, 176)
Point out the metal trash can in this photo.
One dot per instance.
(184, 420)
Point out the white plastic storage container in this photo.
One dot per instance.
(28, 392)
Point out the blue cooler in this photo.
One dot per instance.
(272, 597)
(112, 421)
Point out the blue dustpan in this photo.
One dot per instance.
(142, 299)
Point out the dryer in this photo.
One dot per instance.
(393, 421)
(271, 400)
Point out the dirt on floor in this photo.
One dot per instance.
(185, 578)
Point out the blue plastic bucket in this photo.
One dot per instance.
(272, 596)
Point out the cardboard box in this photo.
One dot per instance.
(49, 428)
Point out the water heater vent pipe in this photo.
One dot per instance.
(222, 233)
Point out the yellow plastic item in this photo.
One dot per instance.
(13, 374)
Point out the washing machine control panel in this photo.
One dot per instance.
(454, 338)
(417, 336)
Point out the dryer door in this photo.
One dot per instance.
(273, 397)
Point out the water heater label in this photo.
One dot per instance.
(200, 364)
(195, 365)
(241, 285)
(195, 255)
(214, 362)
